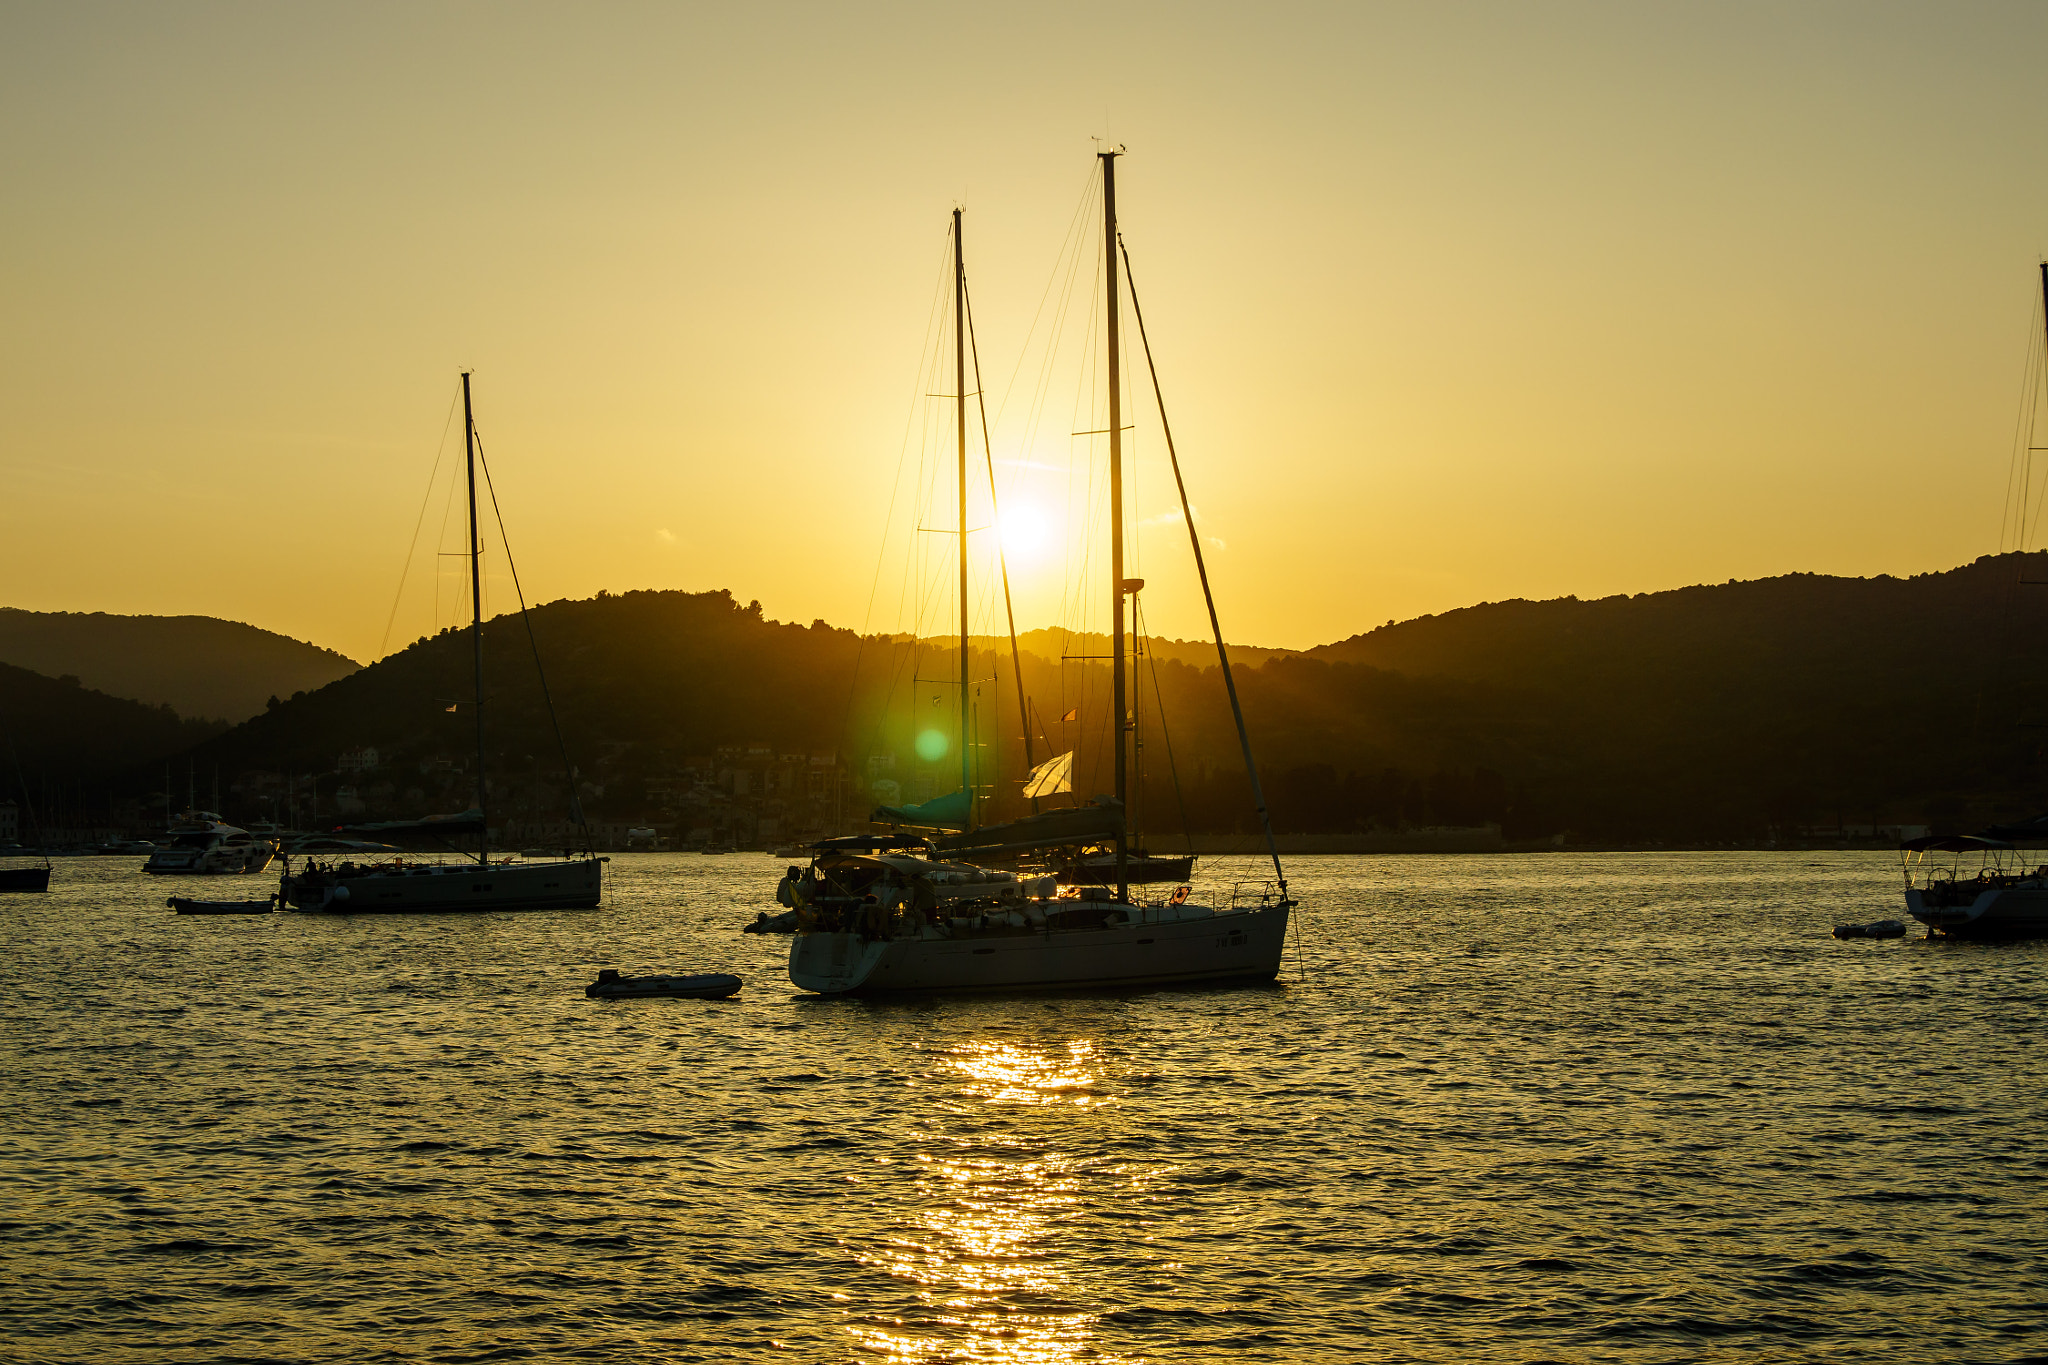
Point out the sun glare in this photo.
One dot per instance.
(1028, 533)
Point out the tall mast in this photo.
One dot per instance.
(476, 618)
(960, 423)
(1116, 525)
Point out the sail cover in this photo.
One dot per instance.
(941, 812)
(1066, 827)
(470, 821)
(1051, 777)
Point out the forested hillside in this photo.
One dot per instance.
(62, 732)
(197, 665)
(1730, 713)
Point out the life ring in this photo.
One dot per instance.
(1180, 895)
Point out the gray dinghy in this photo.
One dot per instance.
(612, 986)
(186, 906)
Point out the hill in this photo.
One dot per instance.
(64, 733)
(1739, 712)
(197, 665)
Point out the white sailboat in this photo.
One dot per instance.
(896, 913)
(377, 885)
(2005, 894)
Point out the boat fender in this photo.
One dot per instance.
(339, 893)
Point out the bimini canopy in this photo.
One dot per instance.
(1952, 843)
(470, 821)
(941, 812)
(1063, 828)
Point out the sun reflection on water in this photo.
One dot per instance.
(981, 1240)
(1003, 1073)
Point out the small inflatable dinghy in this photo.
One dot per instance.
(611, 986)
(1884, 928)
(185, 906)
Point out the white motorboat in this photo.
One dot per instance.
(397, 885)
(201, 843)
(914, 913)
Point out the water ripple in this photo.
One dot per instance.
(1558, 1108)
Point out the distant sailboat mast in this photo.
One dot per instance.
(960, 424)
(476, 619)
(1120, 707)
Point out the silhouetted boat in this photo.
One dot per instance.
(399, 886)
(906, 913)
(1987, 886)
(187, 906)
(17, 873)
(611, 985)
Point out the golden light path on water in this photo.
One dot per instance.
(986, 1231)
(1639, 1109)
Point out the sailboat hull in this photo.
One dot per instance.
(451, 888)
(1234, 945)
(1962, 911)
(24, 879)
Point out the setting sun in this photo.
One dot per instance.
(1028, 533)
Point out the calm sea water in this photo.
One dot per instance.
(1618, 1107)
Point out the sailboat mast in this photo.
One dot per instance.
(1121, 708)
(476, 617)
(960, 423)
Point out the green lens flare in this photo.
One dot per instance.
(932, 745)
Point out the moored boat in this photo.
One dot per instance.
(942, 913)
(397, 885)
(17, 873)
(1986, 888)
(613, 985)
(187, 906)
(201, 843)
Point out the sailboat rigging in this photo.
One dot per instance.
(401, 886)
(941, 911)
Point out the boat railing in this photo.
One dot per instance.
(1246, 894)
(1994, 867)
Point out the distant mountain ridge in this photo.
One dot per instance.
(200, 666)
(1739, 712)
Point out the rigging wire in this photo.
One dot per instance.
(1165, 735)
(1202, 569)
(505, 543)
(413, 545)
(1002, 553)
(910, 422)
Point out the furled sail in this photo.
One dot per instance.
(1068, 826)
(941, 812)
(470, 821)
(1051, 777)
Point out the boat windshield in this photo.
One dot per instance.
(205, 840)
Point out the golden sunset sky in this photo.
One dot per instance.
(1453, 302)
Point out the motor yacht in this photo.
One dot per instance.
(202, 843)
